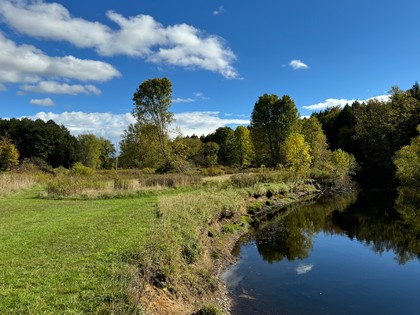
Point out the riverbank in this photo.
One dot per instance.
(128, 242)
(186, 278)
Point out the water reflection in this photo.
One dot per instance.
(322, 258)
(371, 218)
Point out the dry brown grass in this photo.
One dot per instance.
(13, 182)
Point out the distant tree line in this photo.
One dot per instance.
(47, 143)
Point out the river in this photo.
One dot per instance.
(346, 255)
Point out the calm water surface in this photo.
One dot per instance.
(353, 255)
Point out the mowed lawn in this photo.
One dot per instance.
(69, 256)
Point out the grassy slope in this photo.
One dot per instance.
(65, 256)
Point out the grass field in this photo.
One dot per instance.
(67, 256)
(69, 246)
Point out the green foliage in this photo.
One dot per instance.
(297, 155)
(41, 141)
(407, 161)
(316, 139)
(80, 169)
(225, 139)
(244, 145)
(272, 121)
(9, 154)
(140, 147)
(210, 150)
(152, 100)
(89, 150)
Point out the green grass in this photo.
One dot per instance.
(67, 256)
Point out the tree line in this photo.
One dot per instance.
(326, 145)
(52, 145)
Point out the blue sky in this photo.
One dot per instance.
(79, 62)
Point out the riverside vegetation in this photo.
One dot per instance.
(83, 241)
(78, 236)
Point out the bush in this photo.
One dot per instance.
(79, 169)
(244, 180)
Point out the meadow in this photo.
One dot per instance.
(114, 242)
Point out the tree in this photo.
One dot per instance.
(244, 146)
(407, 161)
(140, 148)
(152, 100)
(382, 128)
(225, 138)
(107, 155)
(272, 121)
(210, 150)
(89, 150)
(41, 141)
(316, 139)
(297, 155)
(9, 154)
(342, 164)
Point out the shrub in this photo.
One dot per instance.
(79, 169)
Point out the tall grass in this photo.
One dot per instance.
(186, 237)
(107, 184)
(12, 182)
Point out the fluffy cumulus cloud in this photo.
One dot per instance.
(138, 36)
(52, 87)
(42, 102)
(298, 65)
(25, 63)
(331, 102)
(112, 126)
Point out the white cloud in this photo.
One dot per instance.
(202, 123)
(183, 100)
(219, 10)
(61, 88)
(302, 269)
(25, 63)
(198, 94)
(42, 102)
(298, 64)
(3, 87)
(138, 36)
(331, 102)
(112, 126)
(107, 125)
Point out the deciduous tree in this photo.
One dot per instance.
(272, 121)
(9, 155)
(152, 100)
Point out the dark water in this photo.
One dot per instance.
(353, 255)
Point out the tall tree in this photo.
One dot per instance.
(244, 146)
(152, 100)
(315, 137)
(297, 155)
(272, 121)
